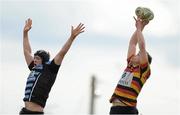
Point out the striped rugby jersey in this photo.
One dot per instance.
(131, 83)
(32, 80)
(40, 82)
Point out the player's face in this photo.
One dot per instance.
(37, 60)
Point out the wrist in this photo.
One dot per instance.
(139, 29)
(72, 37)
(25, 32)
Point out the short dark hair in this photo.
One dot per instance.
(43, 54)
(149, 58)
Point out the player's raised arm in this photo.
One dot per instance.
(26, 45)
(74, 33)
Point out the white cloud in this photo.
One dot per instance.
(108, 17)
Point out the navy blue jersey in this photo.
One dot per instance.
(40, 82)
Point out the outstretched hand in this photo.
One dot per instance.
(76, 31)
(140, 24)
(28, 25)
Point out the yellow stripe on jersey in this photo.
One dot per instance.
(136, 74)
(145, 75)
(126, 95)
(135, 87)
(129, 103)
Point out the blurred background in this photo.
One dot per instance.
(97, 58)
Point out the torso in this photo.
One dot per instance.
(38, 85)
(130, 84)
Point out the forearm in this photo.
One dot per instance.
(74, 33)
(26, 44)
(134, 39)
(66, 46)
(132, 45)
(27, 48)
(141, 41)
(142, 48)
(59, 57)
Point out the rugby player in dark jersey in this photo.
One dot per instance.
(43, 72)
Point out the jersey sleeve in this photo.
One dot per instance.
(54, 67)
(145, 71)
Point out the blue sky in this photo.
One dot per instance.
(100, 50)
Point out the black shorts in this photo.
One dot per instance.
(123, 110)
(26, 111)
